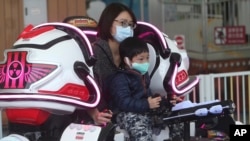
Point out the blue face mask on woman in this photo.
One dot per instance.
(123, 33)
(142, 68)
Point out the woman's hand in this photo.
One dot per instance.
(100, 118)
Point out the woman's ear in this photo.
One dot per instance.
(127, 61)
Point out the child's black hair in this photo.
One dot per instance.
(130, 47)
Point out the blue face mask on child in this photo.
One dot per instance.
(123, 33)
(142, 68)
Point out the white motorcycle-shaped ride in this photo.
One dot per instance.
(49, 71)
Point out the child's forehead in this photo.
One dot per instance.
(142, 54)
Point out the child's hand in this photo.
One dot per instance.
(154, 102)
(175, 99)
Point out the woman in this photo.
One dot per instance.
(117, 22)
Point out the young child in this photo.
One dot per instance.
(129, 88)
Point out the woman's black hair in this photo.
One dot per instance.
(130, 47)
(107, 18)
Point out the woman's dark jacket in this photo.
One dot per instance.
(129, 91)
(103, 67)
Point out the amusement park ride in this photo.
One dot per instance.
(49, 71)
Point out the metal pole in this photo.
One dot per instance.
(233, 3)
(204, 30)
(1, 124)
(163, 22)
(142, 9)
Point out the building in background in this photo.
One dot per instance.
(216, 32)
